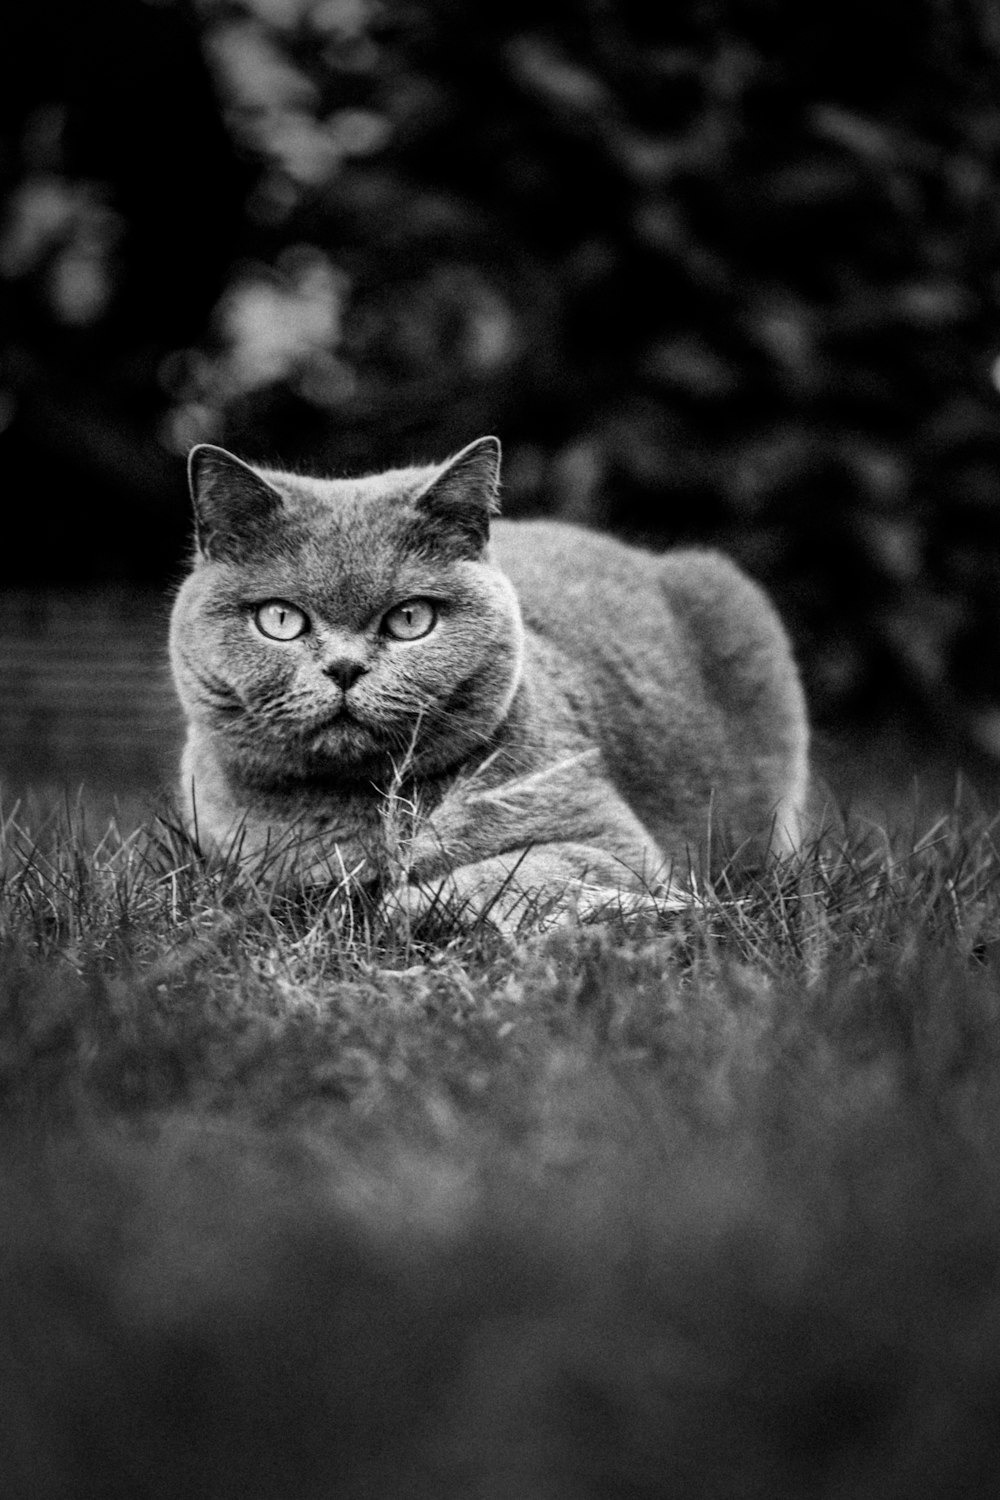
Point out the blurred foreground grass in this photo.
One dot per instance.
(297, 1205)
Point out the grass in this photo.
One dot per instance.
(300, 1202)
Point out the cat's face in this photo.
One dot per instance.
(334, 628)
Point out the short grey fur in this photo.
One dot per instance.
(573, 719)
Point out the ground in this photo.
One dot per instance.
(707, 1204)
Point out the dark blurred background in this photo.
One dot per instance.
(724, 271)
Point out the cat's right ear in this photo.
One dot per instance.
(455, 508)
(234, 508)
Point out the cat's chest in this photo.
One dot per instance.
(325, 837)
(314, 833)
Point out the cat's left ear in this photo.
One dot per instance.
(234, 508)
(456, 506)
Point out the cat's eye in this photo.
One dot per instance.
(410, 620)
(280, 621)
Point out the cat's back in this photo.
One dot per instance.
(590, 593)
(531, 549)
(687, 669)
(575, 585)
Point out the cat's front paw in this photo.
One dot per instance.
(464, 901)
(451, 903)
(583, 902)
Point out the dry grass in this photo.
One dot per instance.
(303, 1203)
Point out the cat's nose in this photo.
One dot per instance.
(345, 671)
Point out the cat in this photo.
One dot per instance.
(563, 717)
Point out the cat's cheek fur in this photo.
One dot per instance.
(481, 655)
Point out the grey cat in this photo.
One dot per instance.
(562, 716)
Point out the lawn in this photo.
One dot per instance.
(697, 1204)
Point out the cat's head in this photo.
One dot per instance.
(335, 627)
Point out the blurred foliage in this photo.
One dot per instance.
(725, 270)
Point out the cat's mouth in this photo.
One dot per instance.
(339, 718)
(341, 740)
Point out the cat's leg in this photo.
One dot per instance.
(557, 840)
(761, 762)
(534, 888)
(790, 818)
